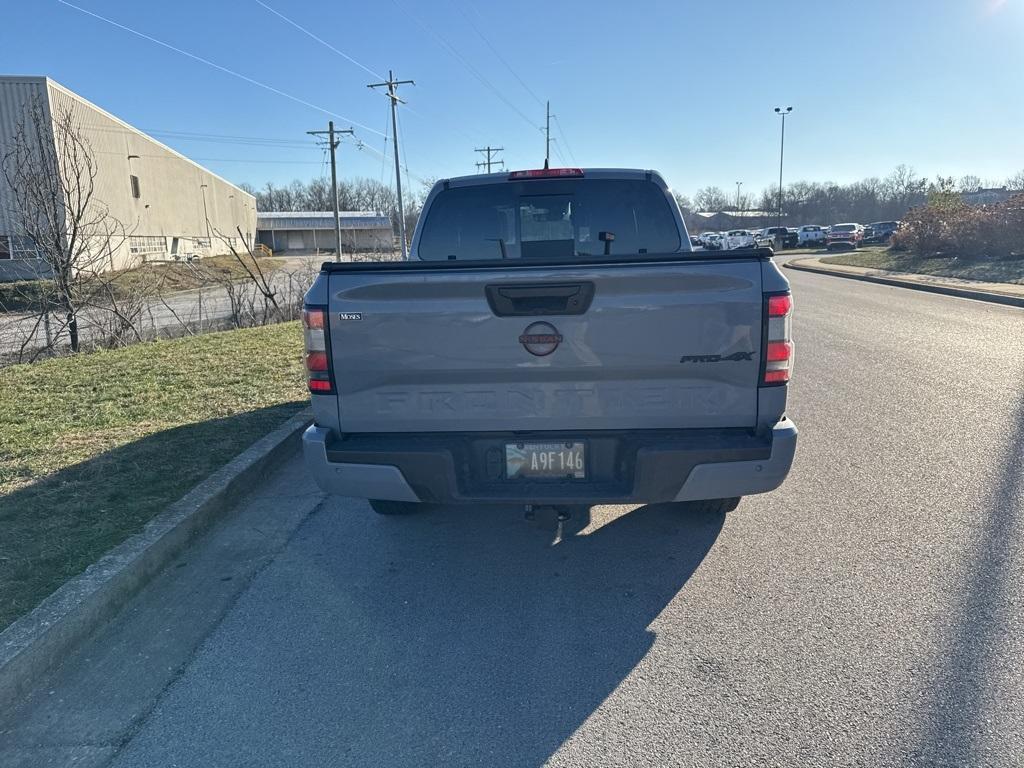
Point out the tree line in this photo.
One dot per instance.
(867, 200)
(358, 194)
(803, 202)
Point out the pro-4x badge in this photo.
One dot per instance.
(735, 357)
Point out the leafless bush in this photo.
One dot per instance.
(948, 226)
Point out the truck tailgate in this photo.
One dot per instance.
(661, 343)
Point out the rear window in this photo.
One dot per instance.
(844, 227)
(552, 218)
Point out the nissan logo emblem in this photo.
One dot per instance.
(540, 339)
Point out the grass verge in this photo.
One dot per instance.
(92, 447)
(991, 270)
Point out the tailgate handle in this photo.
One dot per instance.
(540, 299)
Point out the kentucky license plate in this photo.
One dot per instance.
(545, 460)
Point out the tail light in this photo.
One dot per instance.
(778, 344)
(319, 375)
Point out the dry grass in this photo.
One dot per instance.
(1005, 270)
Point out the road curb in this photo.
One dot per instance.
(39, 641)
(945, 289)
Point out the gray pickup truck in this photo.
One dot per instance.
(552, 340)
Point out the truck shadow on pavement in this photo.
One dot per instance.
(968, 710)
(458, 636)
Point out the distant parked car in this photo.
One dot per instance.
(770, 235)
(738, 238)
(810, 236)
(713, 241)
(844, 236)
(880, 231)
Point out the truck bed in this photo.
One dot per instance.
(655, 341)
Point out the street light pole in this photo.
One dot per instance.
(738, 185)
(206, 215)
(782, 150)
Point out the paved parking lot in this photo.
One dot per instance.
(867, 613)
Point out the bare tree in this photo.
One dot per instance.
(969, 183)
(1016, 182)
(51, 170)
(710, 199)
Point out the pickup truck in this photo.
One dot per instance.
(769, 237)
(551, 341)
(810, 235)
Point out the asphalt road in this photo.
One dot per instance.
(868, 613)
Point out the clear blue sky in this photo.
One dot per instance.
(684, 87)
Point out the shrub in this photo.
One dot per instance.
(947, 225)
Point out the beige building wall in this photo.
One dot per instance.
(181, 206)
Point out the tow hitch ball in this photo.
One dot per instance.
(561, 512)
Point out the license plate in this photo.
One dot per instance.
(545, 460)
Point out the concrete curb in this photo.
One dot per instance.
(39, 641)
(946, 289)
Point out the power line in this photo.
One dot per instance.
(269, 144)
(320, 40)
(496, 52)
(219, 67)
(364, 147)
(462, 60)
(213, 138)
(210, 159)
(347, 58)
(511, 69)
(558, 124)
(384, 156)
(405, 152)
(558, 152)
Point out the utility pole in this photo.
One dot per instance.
(392, 85)
(489, 152)
(333, 144)
(782, 149)
(547, 135)
(738, 185)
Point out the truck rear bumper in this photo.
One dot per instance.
(638, 468)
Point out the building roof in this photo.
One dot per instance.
(321, 220)
(987, 196)
(738, 214)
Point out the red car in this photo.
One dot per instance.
(844, 236)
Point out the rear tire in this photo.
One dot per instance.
(382, 507)
(710, 506)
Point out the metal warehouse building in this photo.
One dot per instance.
(171, 206)
(313, 231)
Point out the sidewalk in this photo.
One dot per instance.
(999, 293)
